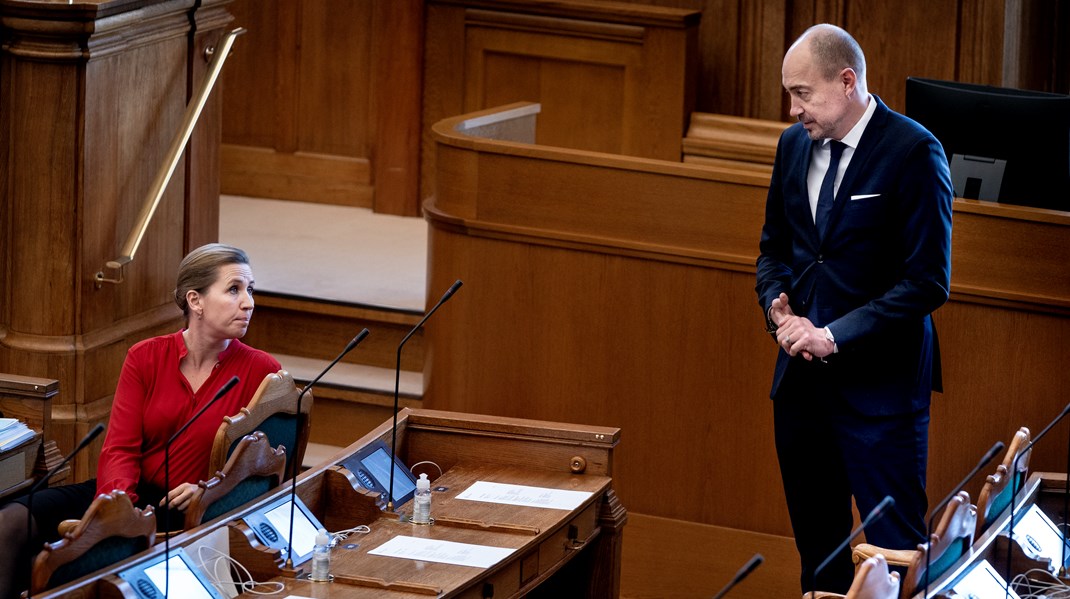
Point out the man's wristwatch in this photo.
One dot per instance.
(770, 326)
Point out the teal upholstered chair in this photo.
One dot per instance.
(273, 411)
(111, 530)
(996, 493)
(952, 539)
(872, 580)
(253, 469)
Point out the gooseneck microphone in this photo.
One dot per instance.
(874, 515)
(1015, 489)
(86, 440)
(992, 452)
(355, 341)
(744, 572)
(167, 480)
(397, 385)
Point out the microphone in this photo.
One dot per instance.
(744, 572)
(1015, 489)
(874, 515)
(397, 384)
(293, 461)
(86, 440)
(167, 480)
(992, 452)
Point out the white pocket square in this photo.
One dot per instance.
(865, 196)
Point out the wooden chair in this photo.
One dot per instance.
(996, 493)
(111, 530)
(952, 539)
(872, 581)
(254, 468)
(272, 410)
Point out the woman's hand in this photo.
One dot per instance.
(180, 496)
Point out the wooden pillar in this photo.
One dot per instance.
(91, 96)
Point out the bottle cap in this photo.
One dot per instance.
(322, 538)
(423, 484)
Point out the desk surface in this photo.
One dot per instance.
(535, 535)
(468, 448)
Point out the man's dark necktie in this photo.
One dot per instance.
(826, 196)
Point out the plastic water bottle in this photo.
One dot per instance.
(421, 511)
(321, 557)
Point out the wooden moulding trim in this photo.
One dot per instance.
(599, 436)
(734, 138)
(83, 32)
(602, 245)
(1012, 212)
(613, 12)
(730, 262)
(450, 132)
(28, 386)
(73, 413)
(289, 302)
(70, 344)
(630, 34)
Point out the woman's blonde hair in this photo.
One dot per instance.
(200, 269)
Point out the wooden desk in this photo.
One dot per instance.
(577, 550)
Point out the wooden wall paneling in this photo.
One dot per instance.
(504, 66)
(304, 85)
(981, 43)
(763, 27)
(91, 103)
(397, 49)
(256, 71)
(626, 63)
(201, 215)
(914, 39)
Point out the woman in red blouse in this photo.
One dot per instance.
(164, 381)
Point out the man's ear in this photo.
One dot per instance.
(849, 79)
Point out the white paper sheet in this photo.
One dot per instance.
(556, 499)
(443, 552)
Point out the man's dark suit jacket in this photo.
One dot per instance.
(883, 266)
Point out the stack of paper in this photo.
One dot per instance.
(13, 433)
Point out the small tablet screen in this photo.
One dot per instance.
(183, 582)
(377, 464)
(304, 531)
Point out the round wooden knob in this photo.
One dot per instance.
(577, 464)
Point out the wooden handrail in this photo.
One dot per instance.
(174, 153)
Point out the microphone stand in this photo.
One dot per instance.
(86, 440)
(991, 453)
(1014, 490)
(743, 572)
(293, 461)
(397, 385)
(167, 481)
(874, 515)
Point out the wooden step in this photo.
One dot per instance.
(351, 399)
(356, 382)
(320, 329)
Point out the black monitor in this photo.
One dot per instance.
(1005, 145)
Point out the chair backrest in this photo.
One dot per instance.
(952, 539)
(111, 530)
(874, 581)
(273, 410)
(996, 493)
(252, 470)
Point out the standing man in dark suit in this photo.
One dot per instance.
(855, 256)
